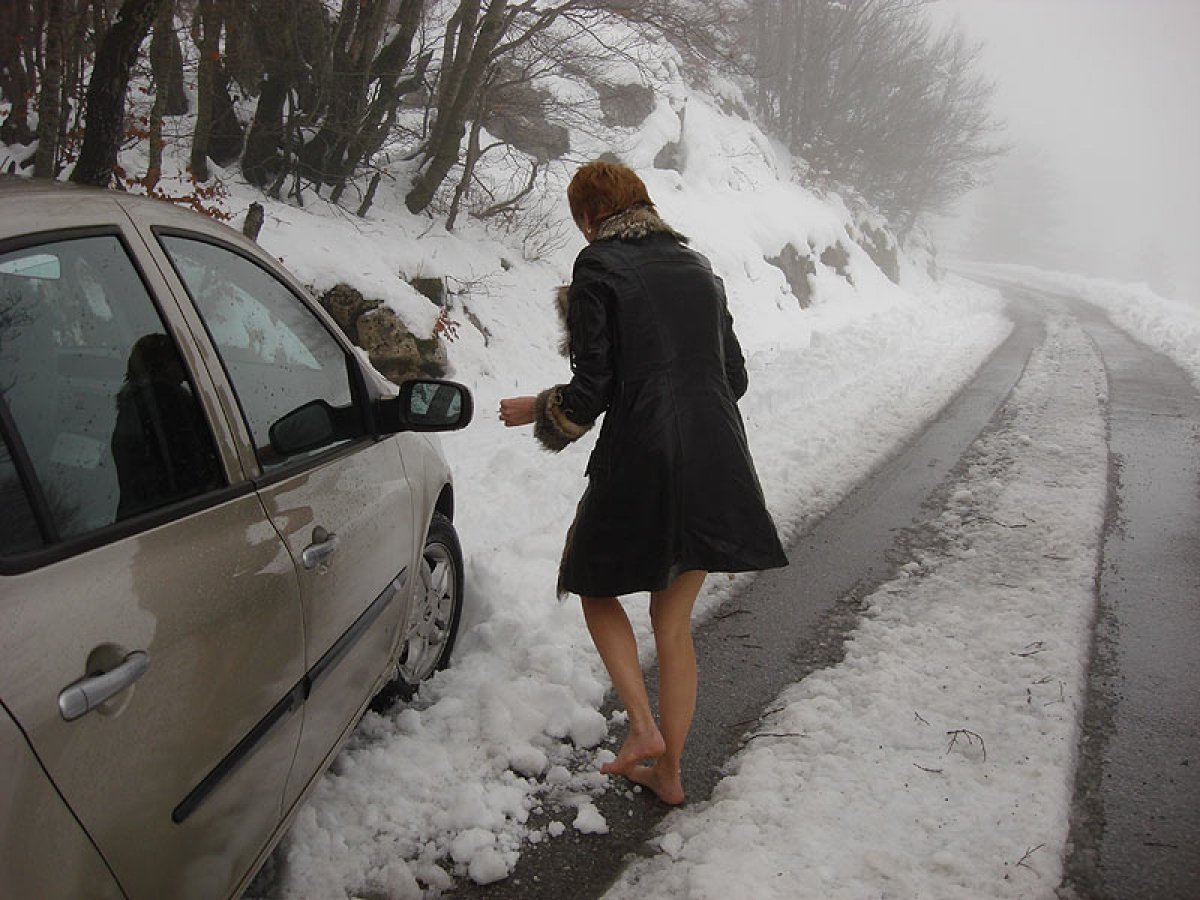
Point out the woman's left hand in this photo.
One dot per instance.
(517, 410)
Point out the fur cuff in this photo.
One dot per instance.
(550, 423)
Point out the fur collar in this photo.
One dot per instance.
(635, 223)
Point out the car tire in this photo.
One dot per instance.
(437, 610)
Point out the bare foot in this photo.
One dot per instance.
(637, 747)
(667, 786)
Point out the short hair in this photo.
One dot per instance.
(602, 189)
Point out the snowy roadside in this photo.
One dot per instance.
(511, 734)
(937, 759)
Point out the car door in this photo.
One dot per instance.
(151, 647)
(344, 507)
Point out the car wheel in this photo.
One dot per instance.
(437, 608)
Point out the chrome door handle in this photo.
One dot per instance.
(80, 698)
(320, 549)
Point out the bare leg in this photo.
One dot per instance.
(614, 639)
(671, 616)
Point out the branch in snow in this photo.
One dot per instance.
(1028, 853)
(971, 737)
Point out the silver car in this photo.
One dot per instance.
(221, 535)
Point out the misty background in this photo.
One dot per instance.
(1099, 101)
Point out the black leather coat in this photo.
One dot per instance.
(671, 485)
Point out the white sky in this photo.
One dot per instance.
(1109, 91)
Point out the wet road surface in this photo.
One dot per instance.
(1136, 825)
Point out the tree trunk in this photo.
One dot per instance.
(359, 35)
(161, 66)
(208, 44)
(16, 82)
(472, 157)
(261, 161)
(45, 161)
(285, 34)
(228, 135)
(166, 60)
(459, 84)
(115, 58)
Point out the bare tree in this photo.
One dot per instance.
(480, 36)
(290, 39)
(107, 87)
(45, 160)
(207, 25)
(166, 63)
(375, 72)
(19, 27)
(871, 97)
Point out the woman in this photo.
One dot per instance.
(672, 492)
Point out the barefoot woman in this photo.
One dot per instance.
(672, 493)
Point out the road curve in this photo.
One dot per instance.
(1135, 825)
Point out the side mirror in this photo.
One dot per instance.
(308, 427)
(427, 405)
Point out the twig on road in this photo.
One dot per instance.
(777, 734)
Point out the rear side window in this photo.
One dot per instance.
(18, 525)
(278, 354)
(99, 408)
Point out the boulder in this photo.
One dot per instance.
(797, 268)
(393, 349)
(625, 105)
(883, 249)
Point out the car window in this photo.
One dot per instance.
(278, 354)
(95, 390)
(18, 526)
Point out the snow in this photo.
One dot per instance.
(934, 761)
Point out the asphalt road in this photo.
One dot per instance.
(1135, 829)
(1136, 824)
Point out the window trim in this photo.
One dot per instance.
(360, 393)
(61, 548)
(17, 563)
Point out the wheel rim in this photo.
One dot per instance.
(437, 596)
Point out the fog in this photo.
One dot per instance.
(1100, 101)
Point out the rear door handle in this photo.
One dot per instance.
(79, 699)
(320, 549)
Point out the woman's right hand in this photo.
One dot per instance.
(517, 411)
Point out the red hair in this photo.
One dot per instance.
(602, 189)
